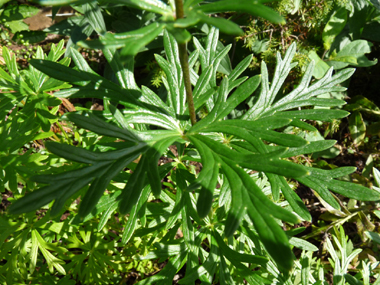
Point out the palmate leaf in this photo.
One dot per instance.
(228, 150)
(104, 167)
(323, 180)
(272, 236)
(257, 162)
(265, 105)
(52, 261)
(257, 129)
(246, 196)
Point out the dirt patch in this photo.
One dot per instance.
(4, 200)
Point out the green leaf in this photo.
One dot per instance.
(133, 188)
(130, 42)
(371, 31)
(239, 198)
(315, 114)
(376, 3)
(65, 27)
(176, 211)
(152, 118)
(106, 202)
(225, 276)
(264, 105)
(221, 98)
(187, 226)
(132, 47)
(336, 172)
(151, 98)
(235, 256)
(17, 26)
(243, 6)
(124, 73)
(373, 236)
(18, 12)
(255, 162)
(61, 2)
(376, 176)
(65, 193)
(294, 200)
(80, 62)
(205, 271)
(153, 155)
(182, 36)
(94, 17)
(334, 26)
(132, 219)
(261, 125)
(203, 82)
(207, 178)
(93, 123)
(356, 49)
(273, 237)
(127, 99)
(202, 99)
(175, 96)
(36, 199)
(321, 67)
(242, 93)
(33, 253)
(302, 244)
(167, 274)
(187, 22)
(63, 73)
(225, 26)
(10, 61)
(73, 153)
(155, 6)
(260, 201)
(240, 68)
(97, 188)
(352, 280)
(72, 174)
(106, 215)
(349, 59)
(353, 191)
(51, 260)
(357, 127)
(311, 147)
(320, 186)
(2, 2)
(314, 102)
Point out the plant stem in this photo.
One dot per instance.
(184, 59)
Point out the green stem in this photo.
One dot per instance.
(184, 59)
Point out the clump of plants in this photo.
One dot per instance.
(328, 32)
(147, 180)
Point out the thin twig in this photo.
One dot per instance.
(184, 59)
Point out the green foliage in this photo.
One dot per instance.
(12, 17)
(340, 26)
(219, 211)
(24, 107)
